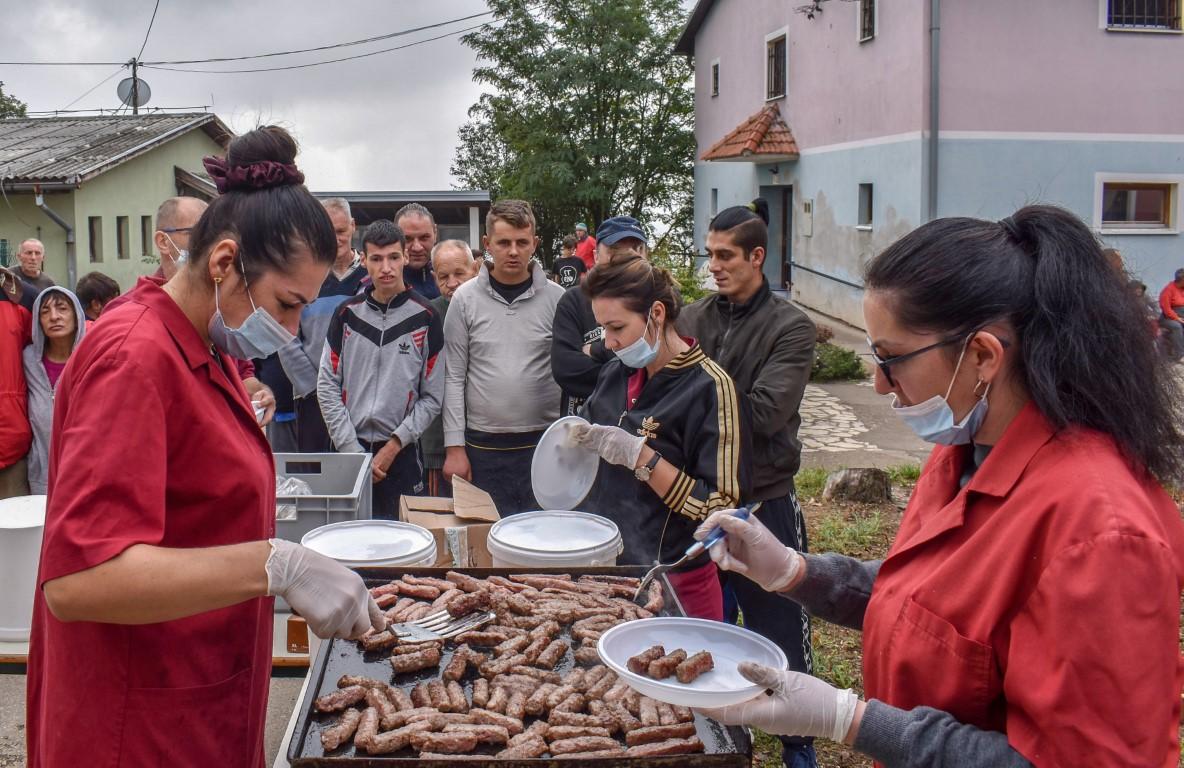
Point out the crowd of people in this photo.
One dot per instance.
(1037, 529)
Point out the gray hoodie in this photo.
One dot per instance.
(40, 392)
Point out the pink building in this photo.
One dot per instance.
(855, 132)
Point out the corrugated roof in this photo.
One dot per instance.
(71, 150)
(764, 136)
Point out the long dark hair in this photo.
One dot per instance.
(270, 214)
(1085, 355)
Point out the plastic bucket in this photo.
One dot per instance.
(369, 543)
(22, 522)
(554, 538)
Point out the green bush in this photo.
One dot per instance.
(835, 363)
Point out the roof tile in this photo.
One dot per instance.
(764, 133)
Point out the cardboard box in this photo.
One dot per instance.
(460, 525)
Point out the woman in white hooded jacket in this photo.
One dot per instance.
(58, 326)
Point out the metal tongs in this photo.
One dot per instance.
(717, 535)
(440, 625)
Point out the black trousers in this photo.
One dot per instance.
(501, 467)
(405, 476)
(312, 436)
(772, 616)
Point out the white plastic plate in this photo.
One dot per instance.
(728, 644)
(561, 474)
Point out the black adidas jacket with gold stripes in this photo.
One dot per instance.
(688, 412)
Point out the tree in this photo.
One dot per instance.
(590, 113)
(10, 106)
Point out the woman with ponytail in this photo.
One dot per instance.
(151, 640)
(667, 424)
(1028, 612)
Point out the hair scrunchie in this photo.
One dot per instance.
(263, 174)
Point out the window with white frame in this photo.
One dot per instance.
(868, 19)
(1143, 15)
(715, 78)
(1137, 204)
(865, 206)
(776, 64)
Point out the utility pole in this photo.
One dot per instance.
(135, 87)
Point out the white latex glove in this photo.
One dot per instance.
(800, 705)
(751, 550)
(615, 445)
(331, 598)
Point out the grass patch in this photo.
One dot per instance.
(858, 534)
(809, 482)
(904, 474)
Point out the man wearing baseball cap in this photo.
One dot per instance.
(585, 245)
(577, 340)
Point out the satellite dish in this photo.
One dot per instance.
(124, 91)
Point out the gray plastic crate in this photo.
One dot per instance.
(341, 490)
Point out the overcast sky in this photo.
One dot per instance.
(382, 122)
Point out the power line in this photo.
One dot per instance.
(149, 32)
(387, 36)
(93, 87)
(319, 63)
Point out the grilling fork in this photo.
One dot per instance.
(439, 626)
(717, 535)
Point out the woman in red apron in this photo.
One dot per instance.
(1028, 610)
(151, 641)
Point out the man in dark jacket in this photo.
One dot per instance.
(766, 345)
(577, 340)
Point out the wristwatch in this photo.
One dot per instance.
(643, 472)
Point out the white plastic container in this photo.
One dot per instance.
(369, 543)
(554, 538)
(22, 522)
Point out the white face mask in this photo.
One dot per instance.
(258, 337)
(641, 353)
(933, 419)
(182, 254)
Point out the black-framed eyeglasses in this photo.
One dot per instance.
(885, 364)
(172, 230)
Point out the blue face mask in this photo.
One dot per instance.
(933, 419)
(259, 336)
(640, 353)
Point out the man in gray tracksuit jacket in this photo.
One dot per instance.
(381, 380)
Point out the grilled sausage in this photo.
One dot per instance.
(392, 741)
(336, 735)
(468, 602)
(456, 697)
(666, 714)
(573, 703)
(694, 666)
(516, 706)
(641, 662)
(575, 718)
(623, 717)
(486, 734)
(484, 639)
(439, 695)
(404, 649)
(441, 584)
(558, 732)
(413, 662)
(602, 686)
(528, 748)
(668, 747)
(457, 742)
(659, 733)
(378, 640)
(648, 712)
(582, 744)
(546, 629)
(552, 654)
(457, 665)
(654, 599)
(401, 718)
(465, 581)
(348, 681)
(480, 692)
(513, 645)
(662, 668)
(498, 699)
(377, 698)
(594, 754)
(536, 703)
(493, 718)
(683, 714)
(340, 699)
(587, 654)
(420, 696)
(542, 675)
(421, 591)
(367, 728)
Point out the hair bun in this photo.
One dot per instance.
(760, 207)
(262, 174)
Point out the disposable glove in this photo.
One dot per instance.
(615, 445)
(799, 705)
(751, 550)
(331, 598)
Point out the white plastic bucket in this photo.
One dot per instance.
(369, 543)
(554, 538)
(22, 522)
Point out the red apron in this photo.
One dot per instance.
(1042, 600)
(153, 443)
